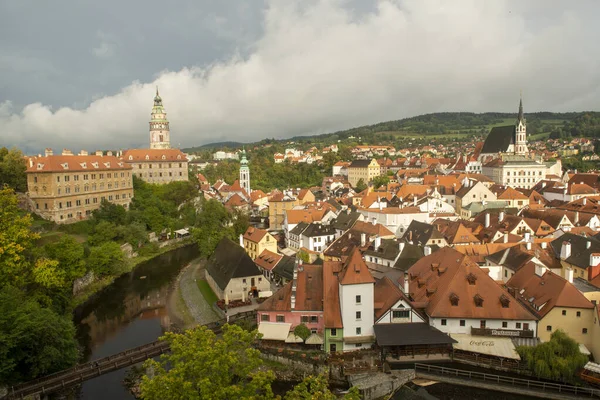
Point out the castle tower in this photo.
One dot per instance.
(521, 132)
(159, 126)
(244, 173)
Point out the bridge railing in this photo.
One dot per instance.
(506, 380)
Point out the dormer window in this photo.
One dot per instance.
(179, 157)
(40, 166)
(147, 157)
(454, 299)
(478, 300)
(95, 164)
(83, 165)
(130, 158)
(107, 164)
(65, 165)
(471, 278)
(505, 301)
(164, 157)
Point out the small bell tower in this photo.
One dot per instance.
(244, 173)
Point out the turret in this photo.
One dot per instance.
(160, 136)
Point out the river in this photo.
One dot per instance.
(129, 313)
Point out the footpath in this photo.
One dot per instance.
(199, 309)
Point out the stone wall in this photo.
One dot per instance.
(377, 385)
(81, 283)
(305, 368)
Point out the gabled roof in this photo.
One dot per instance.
(355, 270)
(388, 249)
(420, 233)
(359, 164)
(309, 292)
(580, 253)
(447, 275)
(230, 261)
(512, 194)
(543, 293)
(235, 201)
(306, 215)
(345, 220)
(285, 267)
(386, 294)
(317, 229)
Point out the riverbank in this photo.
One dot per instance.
(130, 265)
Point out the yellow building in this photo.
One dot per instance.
(278, 204)
(557, 302)
(66, 188)
(158, 165)
(363, 169)
(255, 240)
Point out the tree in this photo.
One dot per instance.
(103, 232)
(110, 212)
(316, 388)
(202, 366)
(16, 240)
(134, 233)
(360, 185)
(70, 256)
(106, 259)
(558, 359)
(379, 181)
(302, 331)
(12, 169)
(35, 341)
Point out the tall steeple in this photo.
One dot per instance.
(521, 131)
(160, 136)
(244, 173)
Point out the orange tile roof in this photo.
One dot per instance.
(386, 294)
(255, 234)
(307, 215)
(235, 201)
(77, 163)
(446, 275)
(372, 229)
(148, 155)
(548, 290)
(512, 194)
(257, 195)
(331, 296)
(267, 259)
(355, 271)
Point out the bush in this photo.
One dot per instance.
(302, 331)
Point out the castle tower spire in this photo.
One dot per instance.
(244, 173)
(160, 136)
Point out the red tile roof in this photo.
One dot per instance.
(77, 163)
(355, 271)
(254, 234)
(148, 155)
(268, 260)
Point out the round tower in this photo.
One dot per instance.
(160, 136)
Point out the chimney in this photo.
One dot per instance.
(83, 153)
(427, 251)
(544, 245)
(569, 275)
(588, 244)
(49, 152)
(377, 243)
(67, 152)
(594, 268)
(406, 286)
(584, 201)
(109, 153)
(363, 239)
(505, 237)
(415, 201)
(99, 153)
(565, 250)
(527, 237)
(576, 218)
(401, 246)
(487, 220)
(501, 216)
(30, 162)
(241, 240)
(528, 245)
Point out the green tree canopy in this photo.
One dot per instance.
(379, 181)
(105, 259)
(34, 341)
(202, 366)
(302, 331)
(316, 388)
(360, 185)
(558, 359)
(12, 169)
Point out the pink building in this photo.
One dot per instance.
(298, 302)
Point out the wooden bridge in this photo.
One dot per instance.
(92, 369)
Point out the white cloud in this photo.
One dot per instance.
(320, 68)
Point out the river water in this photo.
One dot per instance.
(129, 313)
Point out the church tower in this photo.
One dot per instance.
(244, 173)
(521, 132)
(159, 126)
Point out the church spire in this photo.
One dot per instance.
(521, 118)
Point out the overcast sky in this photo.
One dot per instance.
(82, 74)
